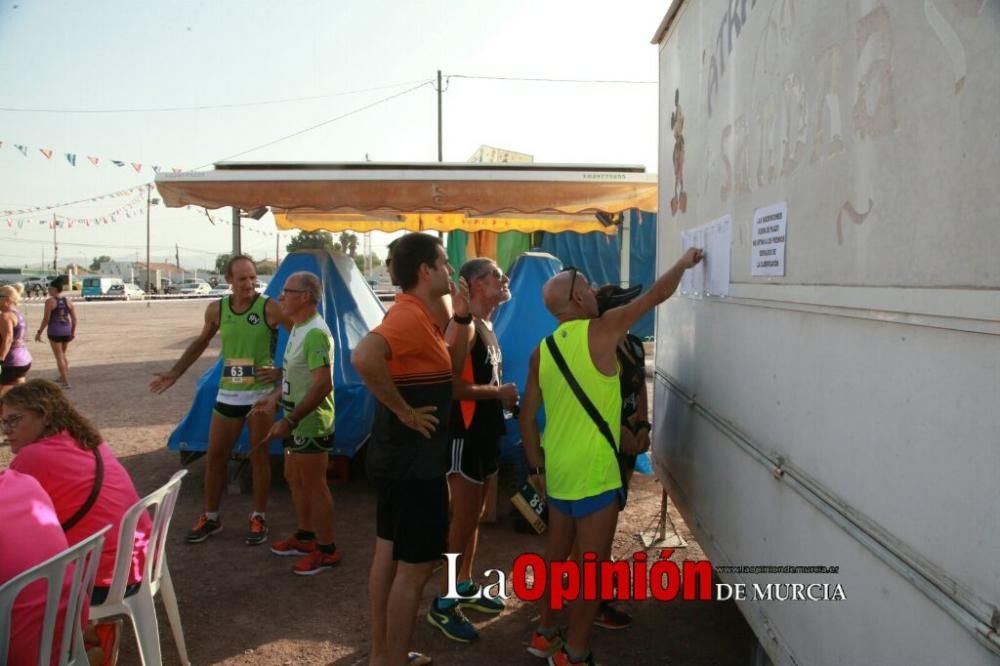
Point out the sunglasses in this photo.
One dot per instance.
(496, 272)
(286, 290)
(572, 282)
(10, 422)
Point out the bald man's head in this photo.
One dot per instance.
(568, 295)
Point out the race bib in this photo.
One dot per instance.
(238, 370)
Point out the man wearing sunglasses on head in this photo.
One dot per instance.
(248, 322)
(580, 473)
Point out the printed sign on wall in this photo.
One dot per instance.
(767, 254)
(711, 276)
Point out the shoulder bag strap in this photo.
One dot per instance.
(588, 406)
(94, 492)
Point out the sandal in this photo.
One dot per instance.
(417, 659)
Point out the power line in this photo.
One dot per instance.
(539, 80)
(207, 107)
(318, 125)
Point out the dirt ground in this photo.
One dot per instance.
(241, 605)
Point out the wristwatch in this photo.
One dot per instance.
(462, 321)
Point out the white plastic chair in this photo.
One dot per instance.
(84, 557)
(139, 607)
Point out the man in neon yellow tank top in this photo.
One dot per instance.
(580, 471)
(249, 325)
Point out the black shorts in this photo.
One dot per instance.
(475, 458)
(413, 515)
(11, 373)
(60, 338)
(232, 411)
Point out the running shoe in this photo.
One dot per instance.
(560, 658)
(609, 617)
(203, 528)
(258, 531)
(316, 561)
(543, 647)
(452, 623)
(482, 604)
(292, 546)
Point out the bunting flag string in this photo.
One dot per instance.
(48, 153)
(135, 207)
(112, 195)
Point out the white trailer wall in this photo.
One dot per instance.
(847, 413)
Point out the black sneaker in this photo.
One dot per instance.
(609, 617)
(203, 528)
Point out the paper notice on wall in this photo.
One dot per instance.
(718, 240)
(767, 254)
(698, 272)
(711, 276)
(687, 282)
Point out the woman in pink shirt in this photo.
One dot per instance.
(31, 535)
(63, 450)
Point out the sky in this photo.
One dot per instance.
(184, 84)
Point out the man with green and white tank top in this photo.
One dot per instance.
(248, 323)
(579, 472)
(306, 396)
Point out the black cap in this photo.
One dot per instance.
(611, 296)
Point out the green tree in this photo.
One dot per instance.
(365, 260)
(349, 243)
(313, 240)
(95, 265)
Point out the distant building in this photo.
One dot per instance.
(491, 155)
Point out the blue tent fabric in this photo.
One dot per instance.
(599, 257)
(350, 309)
(520, 324)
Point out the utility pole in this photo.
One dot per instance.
(55, 245)
(177, 255)
(237, 245)
(149, 194)
(440, 144)
(277, 244)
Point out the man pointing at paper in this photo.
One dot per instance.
(575, 372)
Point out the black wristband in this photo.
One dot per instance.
(463, 321)
(536, 471)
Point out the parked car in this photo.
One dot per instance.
(36, 286)
(223, 289)
(191, 288)
(126, 292)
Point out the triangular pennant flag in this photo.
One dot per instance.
(94, 160)
(118, 163)
(23, 149)
(137, 167)
(47, 152)
(71, 158)
(156, 169)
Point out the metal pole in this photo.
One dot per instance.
(55, 245)
(236, 232)
(440, 145)
(149, 195)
